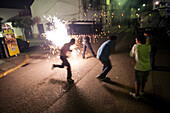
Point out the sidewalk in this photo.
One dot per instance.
(8, 65)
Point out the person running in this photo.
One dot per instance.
(63, 57)
(103, 54)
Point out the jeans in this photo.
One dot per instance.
(90, 48)
(107, 66)
(65, 63)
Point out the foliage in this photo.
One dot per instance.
(25, 22)
(22, 22)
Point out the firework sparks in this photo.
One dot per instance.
(58, 35)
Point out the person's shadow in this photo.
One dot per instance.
(148, 99)
(64, 84)
(109, 81)
(74, 101)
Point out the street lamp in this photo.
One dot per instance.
(144, 5)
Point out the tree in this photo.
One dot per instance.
(25, 25)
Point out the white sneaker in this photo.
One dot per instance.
(134, 95)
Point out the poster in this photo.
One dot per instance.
(10, 40)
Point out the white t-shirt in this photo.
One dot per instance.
(141, 52)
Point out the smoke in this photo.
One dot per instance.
(127, 4)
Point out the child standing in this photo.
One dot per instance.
(141, 52)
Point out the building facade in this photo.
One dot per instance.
(65, 10)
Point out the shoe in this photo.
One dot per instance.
(70, 80)
(83, 57)
(102, 78)
(106, 79)
(134, 95)
(99, 77)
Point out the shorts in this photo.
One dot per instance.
(141, 77)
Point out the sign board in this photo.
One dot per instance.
(10, 40)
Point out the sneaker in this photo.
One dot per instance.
(70, 80)
(105, 79)
(134, 95)
(101, 78)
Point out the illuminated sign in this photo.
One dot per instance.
(10, 40)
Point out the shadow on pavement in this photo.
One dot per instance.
(74, 102)
(81, 103)
(64, 84)
(118, 84)
(55, 81)
(157, 103)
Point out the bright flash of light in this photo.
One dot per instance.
(74, 51)
(58, 34)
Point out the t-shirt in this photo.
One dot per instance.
(141, 52)
(64, 49)
(103, 52)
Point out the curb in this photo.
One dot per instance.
(13, 69)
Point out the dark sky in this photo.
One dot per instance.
(16, 4)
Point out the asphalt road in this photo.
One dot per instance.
(36, 88)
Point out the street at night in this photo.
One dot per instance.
(84, 56)
(37, 88)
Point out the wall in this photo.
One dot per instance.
(62, 9)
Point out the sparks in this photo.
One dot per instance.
(58, 35)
